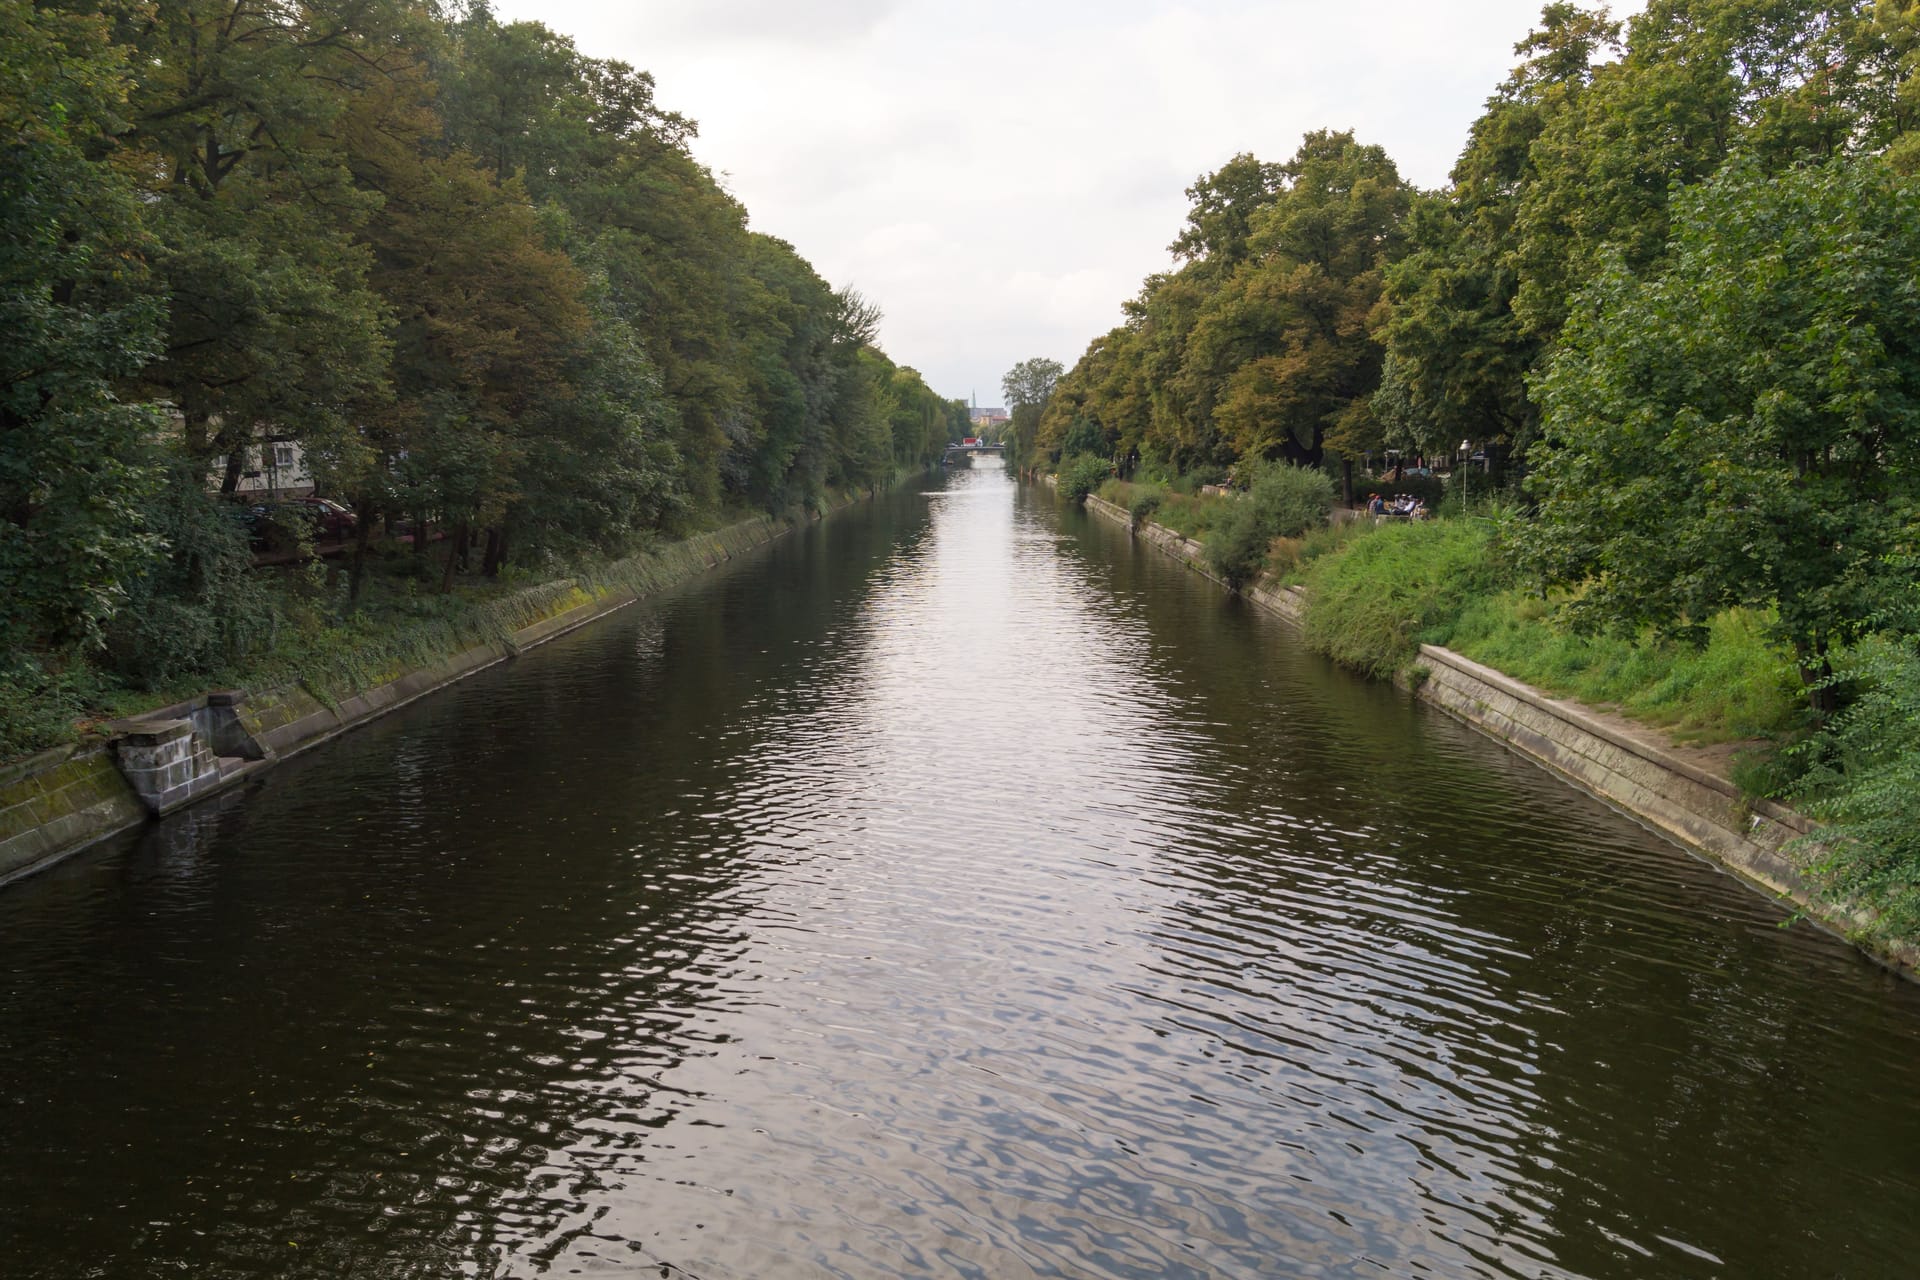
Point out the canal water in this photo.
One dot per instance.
(950, 889)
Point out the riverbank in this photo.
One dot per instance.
(57, 802)
(1686, 793)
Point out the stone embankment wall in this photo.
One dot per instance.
(1695, 807)
(57, 802)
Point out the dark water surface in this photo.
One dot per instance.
(951, 889)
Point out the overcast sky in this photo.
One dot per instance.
(999, 176)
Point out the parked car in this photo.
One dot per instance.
(282, 525)
(332, 521)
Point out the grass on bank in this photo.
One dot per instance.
(1390, 589)
(1378, 592)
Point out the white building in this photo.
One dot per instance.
(271, 469)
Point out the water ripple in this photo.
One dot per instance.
(956, 890)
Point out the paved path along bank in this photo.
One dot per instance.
(1626, 765)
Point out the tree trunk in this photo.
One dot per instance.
(362, 534)
(1346, 481)
(195, 431)
(496, 553)
(236, 462)
(455, 545)
(420, 534)
(1816, 677)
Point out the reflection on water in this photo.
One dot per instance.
(951, 889)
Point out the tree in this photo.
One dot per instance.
(237, 112)
(1457, 355)
(1028, 386)
(1220, 219)
(1743, 428)
(1282, 350)
(486, 313)
(1783, 81)
(79, 314)
(1031, 382)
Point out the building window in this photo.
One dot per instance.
(283, 455)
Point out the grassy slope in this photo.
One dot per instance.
(1376, 593)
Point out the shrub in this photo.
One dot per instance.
(1291, 500)
(38, 705)
(1146, 500)
(1371, 606)
(195, 606)
(1237, 545)
(1080, 476)
(1191, 482)
(1863, 775)
(1281, 502)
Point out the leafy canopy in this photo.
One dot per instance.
(1744, 427)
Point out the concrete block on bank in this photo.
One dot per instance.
(167, 763)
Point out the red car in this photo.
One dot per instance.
(331, 521)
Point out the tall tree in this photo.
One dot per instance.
(1028, 386)
(1743, 428)
(271, 322)
(1282, 350)
(80, 315)
(1457, 355)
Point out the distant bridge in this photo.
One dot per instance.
(958, 455)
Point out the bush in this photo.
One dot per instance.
(1080, 476)
(1281, 502)
(1863, 775)
(1146, 500)
(1237, 546)
(38, 705)
(1191, 482)
(197, 605)
(1371, 606)
(1291, 500)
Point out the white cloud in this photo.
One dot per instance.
(739, 22)
(999, 177)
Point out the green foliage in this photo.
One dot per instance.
(1741, 684)
(1085, 436)
(1259, 346)
(1863, 775)
(475, 274)
(195, 607)
(1281, 501)
(1031, 381)
(79, 316)
(1029, 386)
(1290, 556)
(40, 699)
(1144, 501)
(1374, 603)
(1081, 476)
(1740, 430)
